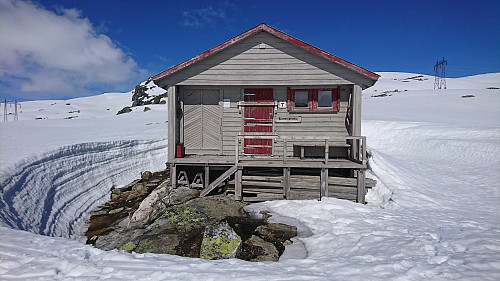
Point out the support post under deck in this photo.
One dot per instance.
(238, 187)
(286, 183)
(173, 175)
(360, 198)
(207, 176)
(324, 183)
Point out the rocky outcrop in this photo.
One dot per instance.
(147, 216)
(145, 93)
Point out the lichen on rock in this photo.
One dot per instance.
(220, 242)
(129, 247)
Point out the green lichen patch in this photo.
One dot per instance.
(129, 247)
(145, 247)
(219, 248)
(179, 216)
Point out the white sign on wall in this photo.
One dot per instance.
(282, 104)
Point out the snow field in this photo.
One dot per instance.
(432, 216)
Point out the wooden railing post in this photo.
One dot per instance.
(285, 148)
(327, 151)
(237, 152)
(364, 150)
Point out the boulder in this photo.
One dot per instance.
(257, 249)
(126, 109)
(276, 232)
(146, 175)
(220, 242)
(151, 207)
(180, 195)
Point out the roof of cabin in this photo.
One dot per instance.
(266, 28)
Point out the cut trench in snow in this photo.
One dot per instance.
(52, 194)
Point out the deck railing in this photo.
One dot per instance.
(356, 146)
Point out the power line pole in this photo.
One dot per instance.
(440, 74)
(5, 112)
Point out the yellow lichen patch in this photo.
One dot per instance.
(145, 247)
(218, 248)
(128, 247)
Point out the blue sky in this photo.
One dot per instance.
(67, 48)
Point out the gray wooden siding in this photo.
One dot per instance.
(312, 124)
(264, 60)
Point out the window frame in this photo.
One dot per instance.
(313, 100)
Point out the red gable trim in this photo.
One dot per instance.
(275, 32)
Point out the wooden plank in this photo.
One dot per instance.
(262, 198)
(263, 178)
(263, 191)
(219, 180)
(263, 183)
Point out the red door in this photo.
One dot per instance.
(258, 118)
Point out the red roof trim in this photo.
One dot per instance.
(275, 32)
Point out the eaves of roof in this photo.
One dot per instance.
(266, 28)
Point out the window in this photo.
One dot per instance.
(315, 100)
(325, 98)
(301, 99)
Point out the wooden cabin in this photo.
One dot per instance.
(261, 102)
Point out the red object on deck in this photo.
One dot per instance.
(180, 150)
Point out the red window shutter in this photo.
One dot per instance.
(336, 99)
(289, 102)
(313, 99)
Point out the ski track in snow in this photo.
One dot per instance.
(62, 186)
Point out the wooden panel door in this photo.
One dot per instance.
(258, 118)
(202, 120)
(211, 120)
(193, 120)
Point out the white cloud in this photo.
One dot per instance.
(202, 16)
(60, 53)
